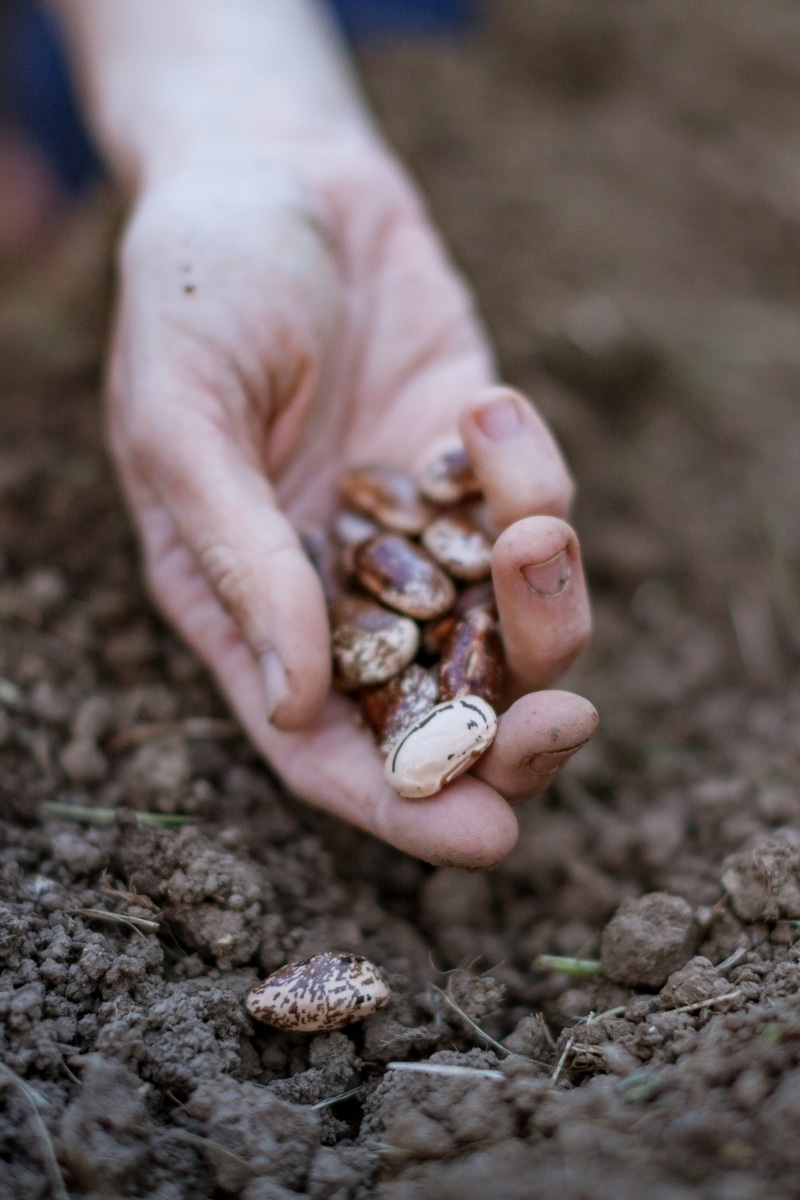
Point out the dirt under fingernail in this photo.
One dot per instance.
(548, 578)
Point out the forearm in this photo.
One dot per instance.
(166, 81)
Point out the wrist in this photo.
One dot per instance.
(224, 142)
(164, 84)
(298, 167)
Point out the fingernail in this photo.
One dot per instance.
(550, 761)
(548, 578)
(276, 687)
(499, 419)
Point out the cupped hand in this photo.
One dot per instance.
(284, 315)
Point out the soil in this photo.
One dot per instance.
(619, 183)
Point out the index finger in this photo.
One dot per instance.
(515, 457)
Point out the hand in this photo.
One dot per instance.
(281, 318)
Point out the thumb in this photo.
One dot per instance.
(250, 556)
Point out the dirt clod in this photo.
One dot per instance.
(105, 1129)
(764, 880)
(647, 939)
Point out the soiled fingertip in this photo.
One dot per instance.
(480, 847)
(535, 739)
(534, 542)
(466, 825)
(515, 457)
(293, 699)
(541, 598)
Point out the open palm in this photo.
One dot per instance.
(279, 322)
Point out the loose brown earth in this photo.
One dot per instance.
(620, 184)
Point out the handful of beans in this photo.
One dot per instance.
(406, 572)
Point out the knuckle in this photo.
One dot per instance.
(565, 493)
(149, 446)
(231, 579)
(558, 494)
(143, 449)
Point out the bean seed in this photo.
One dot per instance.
(472, 658)
(439, 747)
(388, 495)
(369, 643)
(459, 546)
(435, 633)
(392, 707)
(403, 576)
(325, 992)
(449, 478)
(480, 596)
(351, 528)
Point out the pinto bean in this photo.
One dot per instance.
(391, 707)
(388, 495)
(472, 659)
(449, 478)
(324, 992)
(403, 576)
(369, 643)
(459, 546)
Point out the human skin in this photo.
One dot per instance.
(286, 311)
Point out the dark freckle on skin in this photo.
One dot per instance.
(188, 288)
(555, 734)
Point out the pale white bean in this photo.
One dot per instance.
(440, 746)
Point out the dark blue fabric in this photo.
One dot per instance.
(37, 92)
(364, 18)
(35, 89)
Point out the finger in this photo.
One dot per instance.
(225, 514)
(515, 458)
(534, 739)
(541, 599)
(467, 824)
(334, 765)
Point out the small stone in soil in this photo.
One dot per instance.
(648, 939)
